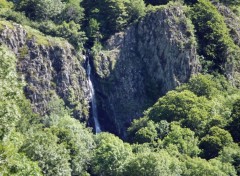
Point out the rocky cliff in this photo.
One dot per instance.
(50, 67)
(134, 69)
(232, 21)
(139, 65)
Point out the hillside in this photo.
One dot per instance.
(119, 87)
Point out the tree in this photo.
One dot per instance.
(136, 9)
(184, 106)
(73, 11)
(234, 125)
(231, 154)
(5, 4)
(77, 140)
(42, 146)
(201, 167)
(110, 155)
(11, 92)
(112, 15)
(184, 139)
(215, 43)
(41, 9)
(202, 85)
(14, 163)
(214, 142)
(152, 163)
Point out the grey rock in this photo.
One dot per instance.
(50, 67)
(141, 64)
(233, 23)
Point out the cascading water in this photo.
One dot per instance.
(93, 99)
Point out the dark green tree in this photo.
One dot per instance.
(234, 125)
(215, 43)
(214, 142)
(110, 155)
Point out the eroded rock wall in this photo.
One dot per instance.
(50, 67)
(136, 67)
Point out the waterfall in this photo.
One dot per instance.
(93, 99)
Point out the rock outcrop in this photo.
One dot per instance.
(50, 67)
(233, 23)
(136, 67)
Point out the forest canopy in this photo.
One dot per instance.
(191, 130)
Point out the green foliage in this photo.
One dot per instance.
(14, 163)
(234, 125)
(144, 130)
(77, 139)
(231, 154)
(72, 12)
(203, 168)
(111, 16)
(41, 9)
(152, 163)
(10, 91)
(184, 139)
(5, 4)
(110, 155)
(185, 106)
(52, 157)
(214, 142)
(166, 141)
(202, 85)
(136, 9)
(215, 43)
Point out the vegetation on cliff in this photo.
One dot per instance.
(191, 130)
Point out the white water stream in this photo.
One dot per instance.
(93, 99)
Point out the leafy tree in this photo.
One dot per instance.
(144, 130)
(93, 31)
(215, 42)
(146, 134)
(110, 155)
(136, 9)
(231, 154)
(11, 92)
(182, 106)
(201, 167)
(214, 142)
(111, 15)
(41, 9)
(152, 163)
(5, 4)
(202, 85)
(78, 140)
(184, 139)
(234, 125)
(42, 146)
(14, 163)
(73, 11)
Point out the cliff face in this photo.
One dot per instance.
(133, 70)
(50, 67)
(232, 21)
(136, 67)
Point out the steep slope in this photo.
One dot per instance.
(150, 58)
(232, 21)
(50, 67)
